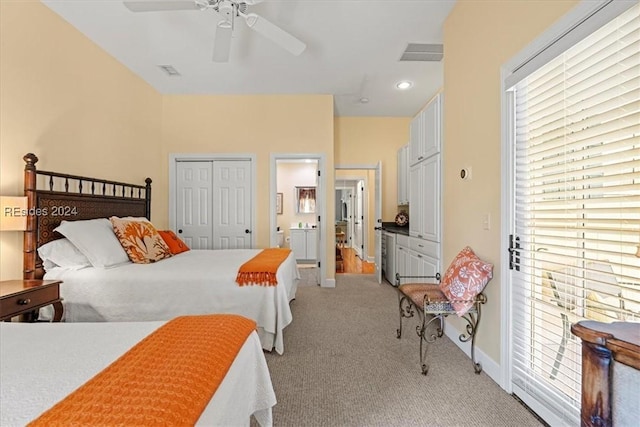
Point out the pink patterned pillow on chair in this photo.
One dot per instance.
(465, 278)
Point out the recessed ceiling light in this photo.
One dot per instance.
(403, 85)
(363, 100)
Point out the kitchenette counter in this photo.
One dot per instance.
(392, 227)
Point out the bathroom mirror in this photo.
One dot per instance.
(305, 199)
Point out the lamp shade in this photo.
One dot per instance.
(13, 213)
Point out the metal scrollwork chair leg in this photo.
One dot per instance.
(426, 339)
(406, 310)
(472, 319)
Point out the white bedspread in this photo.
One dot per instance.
(193, 282)
(41, 363)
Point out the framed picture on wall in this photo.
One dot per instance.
(279, 203)
(305, 199)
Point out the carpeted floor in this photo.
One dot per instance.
(344, 366)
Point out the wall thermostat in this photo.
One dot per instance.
(465, 173)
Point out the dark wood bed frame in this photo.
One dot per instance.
(53, 197)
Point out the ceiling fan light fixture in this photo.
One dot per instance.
(404, 85)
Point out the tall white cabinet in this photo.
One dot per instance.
(421, 251)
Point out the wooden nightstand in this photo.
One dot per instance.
(25, 296)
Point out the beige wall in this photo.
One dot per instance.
(74, 106)
(479, 37)
(82, 112)
(259, 125)
(368, 140)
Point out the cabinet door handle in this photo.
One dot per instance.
(24, 301)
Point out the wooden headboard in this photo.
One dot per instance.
(53, 197)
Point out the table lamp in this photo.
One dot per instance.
(13, 213)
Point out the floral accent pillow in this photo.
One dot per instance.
(176, 245)
(465, 278)
(140, 240)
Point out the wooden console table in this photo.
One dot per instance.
(610, 372)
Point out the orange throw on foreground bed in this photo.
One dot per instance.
(167, 378)
(262, 268)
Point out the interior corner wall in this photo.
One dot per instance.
(67, 101)
(368, 140)
(479, 37)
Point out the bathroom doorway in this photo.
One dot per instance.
(297, 209)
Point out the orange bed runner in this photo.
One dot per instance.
(168, 378)
(262, 268)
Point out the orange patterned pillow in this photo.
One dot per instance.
(140, 240)
(465, 278)
(176, 245)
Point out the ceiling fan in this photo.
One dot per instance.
(228, 10)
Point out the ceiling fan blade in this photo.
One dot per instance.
(274, 33)
(160, 5)
(222, 43)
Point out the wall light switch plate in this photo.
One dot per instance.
(486, 221)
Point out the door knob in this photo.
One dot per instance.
(180, 231)
(377, 228)
(247, 231)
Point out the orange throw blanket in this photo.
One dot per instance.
(168, 378)
(262, 268)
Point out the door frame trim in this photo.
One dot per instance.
(174, 158)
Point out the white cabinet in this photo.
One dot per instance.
(424, 258)
(416, 139)
(417, 257)
(432, 127)
(402, 258)
(424, 196)
(303, 243)
(403, 175)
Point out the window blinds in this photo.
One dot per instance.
(576, 247)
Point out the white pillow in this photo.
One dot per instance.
(96, 240)
(63, 254)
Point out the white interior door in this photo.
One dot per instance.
(193, 213)
(232, 226)
(378, 221)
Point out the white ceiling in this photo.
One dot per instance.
(353, 49)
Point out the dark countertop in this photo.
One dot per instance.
(392, 227)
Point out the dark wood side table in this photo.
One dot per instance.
(603, 345)
(25, 296)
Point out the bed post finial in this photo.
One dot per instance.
(31, 234)
(30, 159)
(147, 197)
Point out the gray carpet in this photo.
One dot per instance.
(344, 366)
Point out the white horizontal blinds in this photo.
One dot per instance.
(577, 207)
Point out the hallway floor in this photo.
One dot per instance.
(352, 264)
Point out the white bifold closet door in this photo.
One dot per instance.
(214, 204)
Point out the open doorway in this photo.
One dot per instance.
(297, 210)
(355, 219)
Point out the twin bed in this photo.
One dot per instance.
(107, 310)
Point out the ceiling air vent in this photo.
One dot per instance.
(422, 52)
(172, 72)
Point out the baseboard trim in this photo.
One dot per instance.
(329, 283)
(489, 366)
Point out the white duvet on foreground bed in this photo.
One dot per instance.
(193, 282)
(41, 363)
